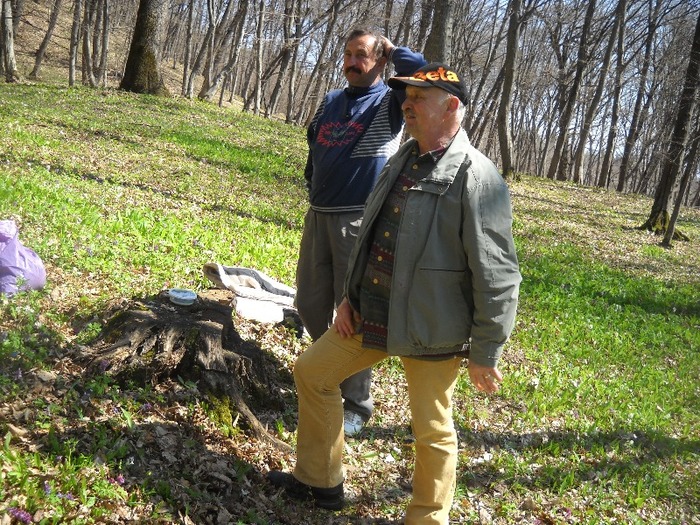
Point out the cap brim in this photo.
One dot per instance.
(402, 82)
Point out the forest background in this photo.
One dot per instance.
(588, 91)
(126, 195)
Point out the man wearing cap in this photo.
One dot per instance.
(433, 278)
(351, 136)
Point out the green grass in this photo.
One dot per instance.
(125, 195)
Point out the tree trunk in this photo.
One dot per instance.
(142, 72)
(39, 55)
(438, 47)
(74, 41)
(8, 43)
(388, 8)
(293, 73)
(692, 162)
(289, 45)
(314, 82)
(696, 200)
(88, 65)
(218, 68)
(504, 133)
(211, 77)
(188, 50)
(638, 114)
(199, 61)
(403, 32)
(425, 24)
(151, 341)
(17, 11)
(679, 140)
(598, 95)
(259, 58)
(104, 48)
(236, 43)
(606, 168)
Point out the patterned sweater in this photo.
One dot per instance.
(352, 135)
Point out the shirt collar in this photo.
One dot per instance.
(436, 154)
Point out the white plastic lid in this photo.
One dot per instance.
(182, 296)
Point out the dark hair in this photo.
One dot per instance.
(364, 31)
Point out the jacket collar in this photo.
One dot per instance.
(446, 168)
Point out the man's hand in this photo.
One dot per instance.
(346, 319)
(485, 378)
(387, 46)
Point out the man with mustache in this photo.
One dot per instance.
(352, 134)
(433, 279)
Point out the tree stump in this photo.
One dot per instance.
(152, 340)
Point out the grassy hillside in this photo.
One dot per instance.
(123, 196)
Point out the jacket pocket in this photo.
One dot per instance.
(439, 314)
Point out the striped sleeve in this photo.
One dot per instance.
(379, 140)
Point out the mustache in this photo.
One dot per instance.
(353, 69)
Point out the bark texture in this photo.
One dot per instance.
(142, 72)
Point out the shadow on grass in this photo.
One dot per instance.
(566, 460)
(564, 275)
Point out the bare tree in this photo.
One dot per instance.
(74, 41)
(217, 18)
(280, 56)
(438, 47)
(294, 69)
(643, 96)
(556, 167)
(188, 50)
(485, 28)
(105, 19)
(598, 94)
(659, 220)
(306, 108)
(9, 62)
(291, 36)
(605, 169)
(403, 32)
(259, 45)
(39, 55)
(87, 33)
(142, 73)
(227, 34)
(504, 109)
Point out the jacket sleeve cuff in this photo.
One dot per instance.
(485, 355)
(405, 61)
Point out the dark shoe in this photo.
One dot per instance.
(331, 499)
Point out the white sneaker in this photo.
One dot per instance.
(353, 423)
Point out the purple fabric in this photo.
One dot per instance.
(20, 267)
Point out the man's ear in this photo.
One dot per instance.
(453, 103)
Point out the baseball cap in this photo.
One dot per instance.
(437, 75)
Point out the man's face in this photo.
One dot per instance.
(360, 65)
(424, 110)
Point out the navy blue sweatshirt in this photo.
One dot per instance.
(352, 135)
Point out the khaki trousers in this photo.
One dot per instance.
(318, 373)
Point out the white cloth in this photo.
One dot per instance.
(256, 295)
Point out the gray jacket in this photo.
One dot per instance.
(456, 276)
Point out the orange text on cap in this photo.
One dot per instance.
(441, 74)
